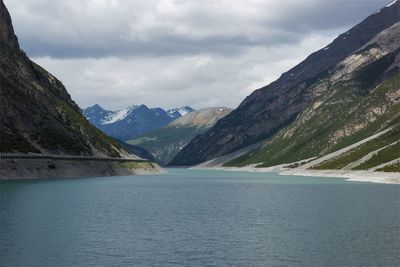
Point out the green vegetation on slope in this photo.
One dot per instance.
(385, 155)
(11, 141)
(356, 153)
(162, 137)
(391, 168)
(137, 165)
(166, 142)
(78, 122)
(143, 140)
(350, 106)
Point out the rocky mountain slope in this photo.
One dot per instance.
(36, 112)
(337, 96)
(132, 121)
(166, 142)
(132, 149)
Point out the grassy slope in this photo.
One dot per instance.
(166, 142)
(348, 105)
(385, 155)
(138, 165)
(361, 151)
(391, 168)
(97, 138)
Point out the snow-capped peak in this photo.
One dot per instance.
(181, 111)
(118, 115)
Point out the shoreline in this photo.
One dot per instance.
(355, 176)
(54, 169)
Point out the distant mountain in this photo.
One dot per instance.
(135, 150)
(337, 96)
(167, 141)
(132, 121)
(178, 112)
(36, 112)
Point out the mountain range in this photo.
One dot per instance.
(338, 96)
(131, 121)
(338, 109)
(166, 142)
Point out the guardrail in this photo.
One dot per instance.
(58, 157)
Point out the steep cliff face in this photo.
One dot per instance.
(36, 113)
(274, 107)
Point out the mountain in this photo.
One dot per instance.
(132, 121)
(135, 150)
(178, 112)
(37, 113)
(337, 96)
(167, 141)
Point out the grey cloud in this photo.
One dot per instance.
(172, 53)
(95, 29)
(201, 81)
(323, 15)
(159, 46)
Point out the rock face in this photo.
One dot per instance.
(204, 118)
(167, 141)
(132, 121)
(276, 106)
(36, 112)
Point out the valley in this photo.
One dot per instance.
(338, 110)
(199, 133)
(164, 143)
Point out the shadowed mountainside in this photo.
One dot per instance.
(37, 113)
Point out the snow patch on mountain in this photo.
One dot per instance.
(392, 3)
(118, 115)
(183, 112)
(178, 112)
(388, 5)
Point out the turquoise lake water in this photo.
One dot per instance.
(199, 218)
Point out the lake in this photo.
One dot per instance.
(199, 218)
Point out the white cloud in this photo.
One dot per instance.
(172, 81)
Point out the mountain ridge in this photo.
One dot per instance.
(132, 121)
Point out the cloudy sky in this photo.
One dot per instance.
(171, 53)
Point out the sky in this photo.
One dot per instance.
(173, 53)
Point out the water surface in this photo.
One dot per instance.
(199, 218)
